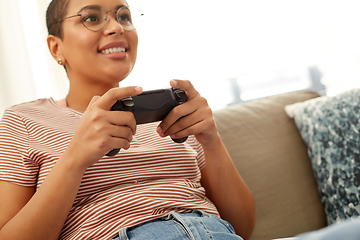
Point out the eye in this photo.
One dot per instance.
(91, 18)
(125, 17)
(92, 14)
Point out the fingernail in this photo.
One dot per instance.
(138, 89)
(172, 136)
(160, 131)
(174, 82)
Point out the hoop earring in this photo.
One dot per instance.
(59, 61)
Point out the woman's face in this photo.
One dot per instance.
(84, 50)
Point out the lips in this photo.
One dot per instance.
(114, 47)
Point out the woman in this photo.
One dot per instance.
(57, 183)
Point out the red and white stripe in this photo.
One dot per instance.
(153, 177)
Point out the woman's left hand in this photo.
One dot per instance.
(220, 178)
(194, 117)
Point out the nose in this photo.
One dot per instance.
(113, 26)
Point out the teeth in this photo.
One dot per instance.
(113, 50)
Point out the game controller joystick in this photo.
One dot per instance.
(151, 106)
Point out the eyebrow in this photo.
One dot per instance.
(98, 6)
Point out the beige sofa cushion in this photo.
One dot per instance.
(271, 156)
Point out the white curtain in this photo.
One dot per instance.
(27, 70)
(205, 41)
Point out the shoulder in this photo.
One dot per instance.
(37, 113)
(40, 109)
(43, 103)
(15, 116)
(26, 107)
(16, 111)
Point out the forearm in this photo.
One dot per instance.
(227, 190)
(44, 215)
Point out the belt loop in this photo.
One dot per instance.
(122, 234)
(201, 213)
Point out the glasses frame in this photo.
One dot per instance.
(106, 18)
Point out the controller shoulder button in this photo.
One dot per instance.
(128, 102)
(181, 95)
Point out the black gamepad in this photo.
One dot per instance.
(151, 106)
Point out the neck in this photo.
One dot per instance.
(80, 95)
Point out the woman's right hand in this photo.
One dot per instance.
(101, 130)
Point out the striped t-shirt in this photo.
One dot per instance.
(153, 177)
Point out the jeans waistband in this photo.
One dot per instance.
(194, 225)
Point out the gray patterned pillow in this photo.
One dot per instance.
(330, 127)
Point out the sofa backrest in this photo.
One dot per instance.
(271, 156)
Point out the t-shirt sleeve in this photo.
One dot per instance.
(15, 164)
(200, 152)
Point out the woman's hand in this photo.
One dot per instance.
(101, 130)
(194, 117)
(223, 184)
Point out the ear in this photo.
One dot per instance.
(55, 47)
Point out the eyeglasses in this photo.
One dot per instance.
(95, 18)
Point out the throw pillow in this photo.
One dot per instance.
(330, 127)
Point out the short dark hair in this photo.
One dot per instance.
(56, 10)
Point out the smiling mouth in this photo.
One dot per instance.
(113, 50)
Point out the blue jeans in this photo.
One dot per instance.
(195, 225)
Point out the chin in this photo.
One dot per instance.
(117, 73)
(117, 78)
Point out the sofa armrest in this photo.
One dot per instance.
(270, 155)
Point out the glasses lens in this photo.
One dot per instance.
(93, 18)
(129, 17)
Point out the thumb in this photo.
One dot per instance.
(93, 100)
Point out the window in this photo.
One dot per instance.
(232, 51)
(255, 44)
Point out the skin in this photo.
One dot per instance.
(94, 88)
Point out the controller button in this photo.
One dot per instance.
(113, 152)
(180, 95)
(128, 102)
(180, 140)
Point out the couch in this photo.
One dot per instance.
(272, 158)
